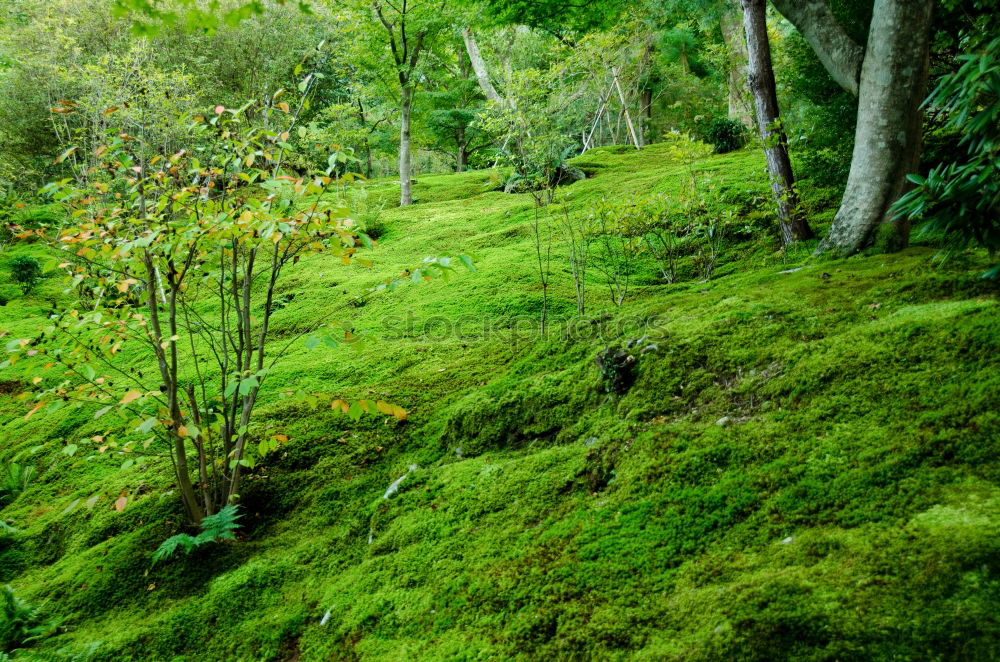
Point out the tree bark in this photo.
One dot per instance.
(887, 140)
(779, 168)
(731, 24)
(479, 67)
(366, 143)
(462, 154)
(405, 180)
(628, 116)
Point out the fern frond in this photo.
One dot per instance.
(170, 546)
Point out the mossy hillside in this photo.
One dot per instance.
(844, 509)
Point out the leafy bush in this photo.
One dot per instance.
(219, 526)
(726, 135)
(26, 272)
(960, 199)
(21, 623)
(368, 213)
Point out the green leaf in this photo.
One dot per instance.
(70, 450)
(146, 425)
(101, 412)
(248, 384)
(467, 261)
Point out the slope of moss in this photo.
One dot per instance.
(805, 468)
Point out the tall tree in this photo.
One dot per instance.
(405, 50)
(890, 79)
(760, 74)
(731, 26)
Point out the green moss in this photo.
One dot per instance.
(805, 467)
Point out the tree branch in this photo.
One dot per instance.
(840, 54)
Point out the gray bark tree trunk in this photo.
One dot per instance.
(890, 80)
(887, 140)
(791, 221)
(731, 24)
(479, 67)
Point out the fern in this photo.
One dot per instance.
(22, 623)
(14, 478)
(169, 546)
(219, 526)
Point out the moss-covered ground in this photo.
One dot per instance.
(807, 466)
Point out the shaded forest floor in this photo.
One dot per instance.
(806, 466)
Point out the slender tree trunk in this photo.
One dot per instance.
(367, 144)
(625, 113)
(461, 155)
(887, 139)
(647, 115)
(405, 182)
(731, 23)
(779, 168)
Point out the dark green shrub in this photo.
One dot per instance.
(960, 198)
(26, 272)
(726, 135)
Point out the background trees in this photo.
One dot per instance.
(412, 87)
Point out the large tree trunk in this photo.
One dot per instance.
(731, 23)
(887, 139)
(405, 183)
(761, 79)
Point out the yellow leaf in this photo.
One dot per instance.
(120, 503)
(124, 285)
(182, 432)
(131, 396)
(284, 107)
